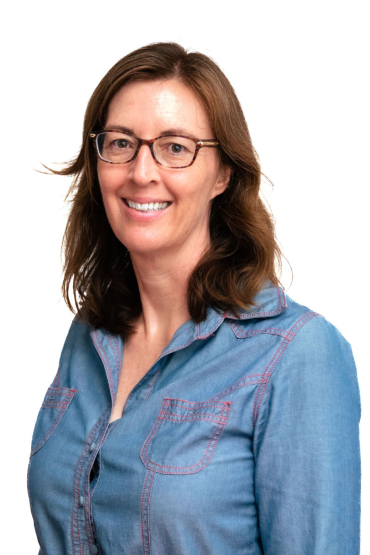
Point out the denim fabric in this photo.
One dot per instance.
(241, 439)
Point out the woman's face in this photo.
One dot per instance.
(148, 110)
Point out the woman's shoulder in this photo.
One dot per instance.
(311, 348)
(308, 327)
(276, 312)
(78, 341)
(314, 361)
(312, 370)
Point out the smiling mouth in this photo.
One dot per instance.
(147, 207)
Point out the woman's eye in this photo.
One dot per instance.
(176, 148)
(121, 143)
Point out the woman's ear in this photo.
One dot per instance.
(222, 180)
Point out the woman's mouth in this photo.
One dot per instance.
(147, 207)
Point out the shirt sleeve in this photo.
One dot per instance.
(307, 448)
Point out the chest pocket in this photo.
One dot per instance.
(53, 408)
(184, 436)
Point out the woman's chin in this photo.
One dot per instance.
(150, 248)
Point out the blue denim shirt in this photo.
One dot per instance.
(241, 439)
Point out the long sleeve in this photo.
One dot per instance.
(307, 449)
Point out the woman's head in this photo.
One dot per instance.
(164, 110)
(150, 92)
(163, 61)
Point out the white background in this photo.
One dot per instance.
(301, 71)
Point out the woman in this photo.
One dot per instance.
(196, 409)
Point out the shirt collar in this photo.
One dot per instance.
(269, 301)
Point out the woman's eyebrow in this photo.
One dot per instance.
(171, 131)
(120, 128)
(178, 131)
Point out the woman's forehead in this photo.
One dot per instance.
(158, 106)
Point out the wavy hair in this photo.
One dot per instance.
(244, 251)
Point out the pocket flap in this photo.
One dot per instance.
(184, 436)
(55, 404)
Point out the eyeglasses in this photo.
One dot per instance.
(171, 151)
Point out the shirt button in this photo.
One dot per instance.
(92, 445)
(94, 550)
(81, 500)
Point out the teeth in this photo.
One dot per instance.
(147, 207)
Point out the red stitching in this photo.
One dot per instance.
(277, 356)
(242, 385)
(153, 382)
(59, 416)
(311, 314)
(109, 374)
(271, 331)
(141, 510)
(147, 511)
(156, 423)
(198, 469)
(84, 492)
(305, 321)
(54, 405)
(92, 432)
(177, 349)
(273, 363)
(88, 517)
(115, 358)
(290, 334)
(190, 419)
(190, 466)
(192, 408)
(212, 330)
(110, 369)
(207, 403)
(74, 500)
(67, 389)
(257, 314)
(152, 433)
(118, 351)
(278, 292)
(56, 402)
(226, 390)
(186, 416)
(198, 336)
(251, 315)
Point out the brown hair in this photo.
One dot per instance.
(244, 251)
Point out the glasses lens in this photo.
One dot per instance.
(173, 151)
(116, 147)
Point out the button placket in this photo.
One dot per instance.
(82, 533)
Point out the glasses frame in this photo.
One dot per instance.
(199, 143)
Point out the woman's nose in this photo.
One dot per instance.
(144, 167)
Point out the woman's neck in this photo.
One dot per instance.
(163, 284)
